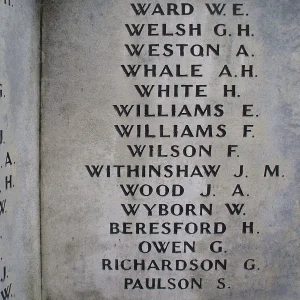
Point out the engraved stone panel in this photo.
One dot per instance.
(170, 150)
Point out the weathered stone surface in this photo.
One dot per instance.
(19, 151)
(82, 80)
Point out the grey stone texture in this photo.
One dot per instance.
(83, 48)
(19, 122)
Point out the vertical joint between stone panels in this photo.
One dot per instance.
(40, 136)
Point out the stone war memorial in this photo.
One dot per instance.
(149, 150)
